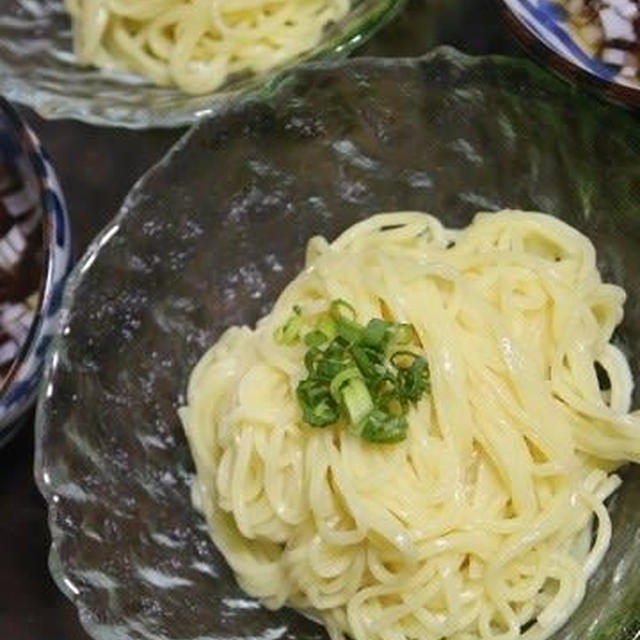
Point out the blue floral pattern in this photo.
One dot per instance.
(547, 21)
(21, 148)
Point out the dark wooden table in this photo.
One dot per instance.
(97, 166)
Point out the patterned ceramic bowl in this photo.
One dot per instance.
(35, 256)
(546, 29)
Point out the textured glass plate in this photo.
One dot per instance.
(37, 68)
(212, 234)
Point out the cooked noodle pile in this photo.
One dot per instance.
(489, 518)
(197, 44)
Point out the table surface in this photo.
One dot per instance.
(97, 167)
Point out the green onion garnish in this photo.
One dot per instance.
(315, 338)
(346, 326)
(357, 402)
(289, 332)
(356, 374)
(382, 427)
(318, 407)
(327, 326)
(378, 333)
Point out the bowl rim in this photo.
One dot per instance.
(18, 388)
(621, 94)
(61, 106)
(46, 482)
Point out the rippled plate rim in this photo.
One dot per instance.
(45, 482)
(58, 107)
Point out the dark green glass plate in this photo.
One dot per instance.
(212, 234)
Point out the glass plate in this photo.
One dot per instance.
(209, 238)
(37, 68)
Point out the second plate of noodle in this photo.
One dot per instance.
(166, 63)
(197, 45)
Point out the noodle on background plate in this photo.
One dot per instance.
(488, 519)
(197, 44)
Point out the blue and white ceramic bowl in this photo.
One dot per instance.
(544, 27)
(32, 212)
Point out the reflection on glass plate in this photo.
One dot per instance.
(210, 237)
(38, 68)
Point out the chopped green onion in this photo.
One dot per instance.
(315, 338)
(357, 401)
(327, 325)
(319, 409)
(352, 377)
(413, 380)
(368, 360)
(335, 309)
(334, 359)
(341, 378)
(382, 427)
(311, 359)
(348, 330)
(346, 327)
(378, 333)
(289, 332)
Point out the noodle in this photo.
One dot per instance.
(478, 524)
(197, 44)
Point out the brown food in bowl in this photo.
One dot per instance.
(611, 29)
(21, 258)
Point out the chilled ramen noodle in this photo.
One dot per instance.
(197, 44)
(488, 518)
